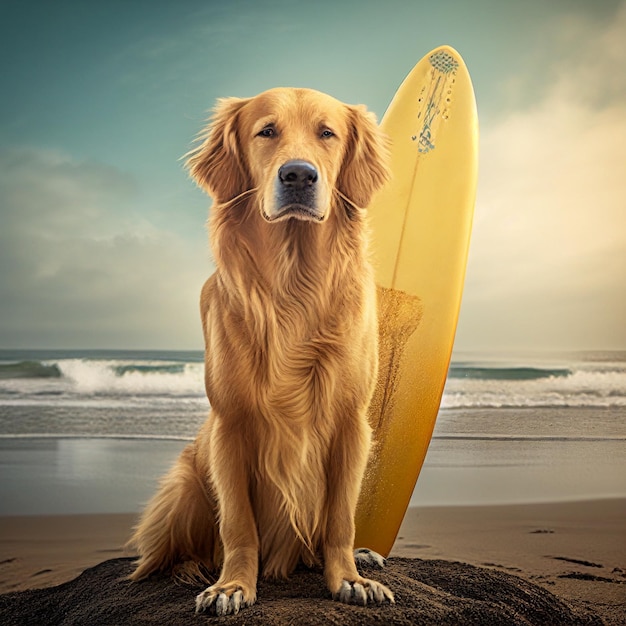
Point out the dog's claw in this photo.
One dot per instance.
(236, 601)
(221, 602)
(376, 593)
(352, 593)
(357, 593)
(204, 600)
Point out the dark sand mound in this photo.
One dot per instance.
(427, 592)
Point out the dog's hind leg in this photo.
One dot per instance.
(178, 530)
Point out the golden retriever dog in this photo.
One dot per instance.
(290, 328)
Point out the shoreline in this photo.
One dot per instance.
(576, 550)
(89, 474)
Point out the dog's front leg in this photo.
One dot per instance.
(347, 462)
(236, 586)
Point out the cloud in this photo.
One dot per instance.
(82, 267)
(548, 258)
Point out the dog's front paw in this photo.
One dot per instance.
(224, 599)
(363, 591)
(364, 557)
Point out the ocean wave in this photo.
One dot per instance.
(506, 373)
(172, 368)
(601, 387)
(465, 401)
(114, 377)
(153, 378)
(88, 377)
(29, 369)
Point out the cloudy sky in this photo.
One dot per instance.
(102, 235)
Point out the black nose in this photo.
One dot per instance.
(297, 174)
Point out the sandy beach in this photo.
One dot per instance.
(576, 550)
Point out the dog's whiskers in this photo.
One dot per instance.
(237, 217)
(351, 206)
(242, 196)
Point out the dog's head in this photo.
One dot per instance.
(296, 148)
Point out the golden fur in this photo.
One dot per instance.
(289, 320)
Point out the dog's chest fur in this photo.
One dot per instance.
(293, 357)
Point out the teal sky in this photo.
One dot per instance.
(102, 237)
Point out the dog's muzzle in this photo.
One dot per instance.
(296, 192)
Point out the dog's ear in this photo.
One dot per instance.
(216, 163)
(365, 167)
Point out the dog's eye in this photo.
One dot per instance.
(268, 131)
(326, 133)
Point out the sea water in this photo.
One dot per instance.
(91, 431)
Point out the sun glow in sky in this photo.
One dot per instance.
(102, 235)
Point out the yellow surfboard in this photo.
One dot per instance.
(421, 223)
